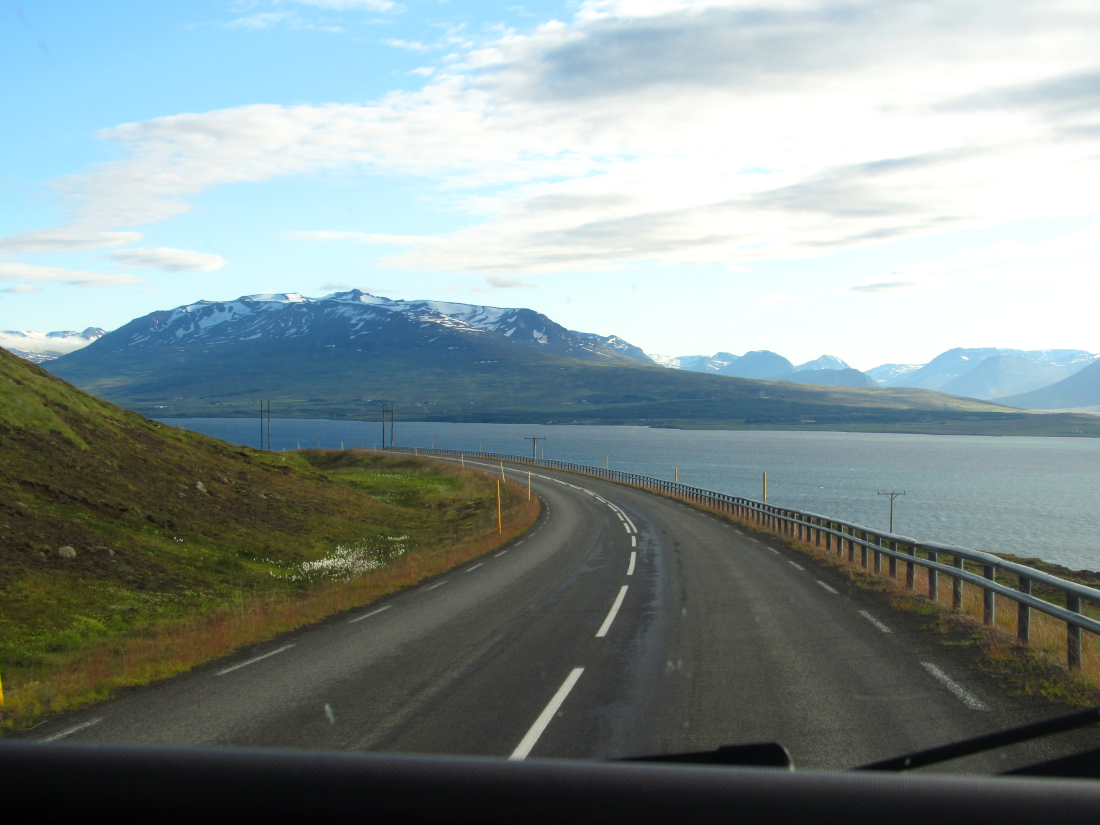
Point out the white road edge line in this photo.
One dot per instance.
(961, 693)
(434, 586)
(501, 553)
(532, 737)
(72, 730)
(774, 550)
(475, 567)
(795, 565)
(611, 616)
(368, 615)
(875, 621)
(633, 558)
(835, 593)
(633, 541)
(626, 527)
(252, 661)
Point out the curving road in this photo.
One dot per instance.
(622, 624)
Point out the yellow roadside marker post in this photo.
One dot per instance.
(499, 528)
(528, 486)
(765, 486)
(462, 458)
(676, 472)
(502, 471)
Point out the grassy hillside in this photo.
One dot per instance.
(131, 550)
(503, 385)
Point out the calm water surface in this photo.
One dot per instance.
(1030, 496)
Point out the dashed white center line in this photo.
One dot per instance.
(961, 693)
(475, 567)
(626, 527)
(368, 615)
(828, 588)
(501, 553)
(620, 515)
(434, 586)
(630, 570)
(633, 541)
(72, 730)
(253, 661)
(532, 736)
(774, 550)
(875, 621)
(795, 565)
(611, 615)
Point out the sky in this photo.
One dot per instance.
(880, 181)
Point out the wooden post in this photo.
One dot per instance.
(933, 579)
(863, 550)
(1073, 634)
(499, 528)
(1023, 613)
(528, 486)
(851, 546)
(911, 570)
(893, 545)
(878, 556)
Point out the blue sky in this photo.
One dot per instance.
(875, 180)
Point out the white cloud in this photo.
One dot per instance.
(501, 282)
(64, 239)
(411, 45)
(34, 274)
(21, 289)
(680, 132)
(348, 5)
(170, 260)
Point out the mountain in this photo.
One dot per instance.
(832, 377)
(694, 363)
(1005, 375)
(616, 343)
(947, 366)
(826, 362)
(343, 355)
(1082, 389)
(888, 374)
(761, 364)
(46, 346)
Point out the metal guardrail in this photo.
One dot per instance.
(843, 536)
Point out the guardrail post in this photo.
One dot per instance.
(893, 545)
(1073, 634)
(851, 546)
(1023, 612)
(911, 570)
(989, 614)
(878, 556)
(933, 579)
(957, 585)
(863, 549)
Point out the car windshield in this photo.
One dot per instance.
(344, 402)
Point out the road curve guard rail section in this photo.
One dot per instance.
(841, 536)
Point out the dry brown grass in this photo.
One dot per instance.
(161, 651)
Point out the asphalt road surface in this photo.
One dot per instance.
(622, 624)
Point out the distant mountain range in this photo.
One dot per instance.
(987, 373)
(342, 355)
(1080, 390)
(46, 346)
(764, 365)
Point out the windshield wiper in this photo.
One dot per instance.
(756, 755)
(773, 755)
(1085, 764)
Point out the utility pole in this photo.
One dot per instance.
(892, 495)
(262, 402)
(534, 445)
(384, 406)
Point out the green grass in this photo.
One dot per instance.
(155, 551)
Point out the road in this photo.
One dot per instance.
(622, 624)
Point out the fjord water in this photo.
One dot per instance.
(1028, 496)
